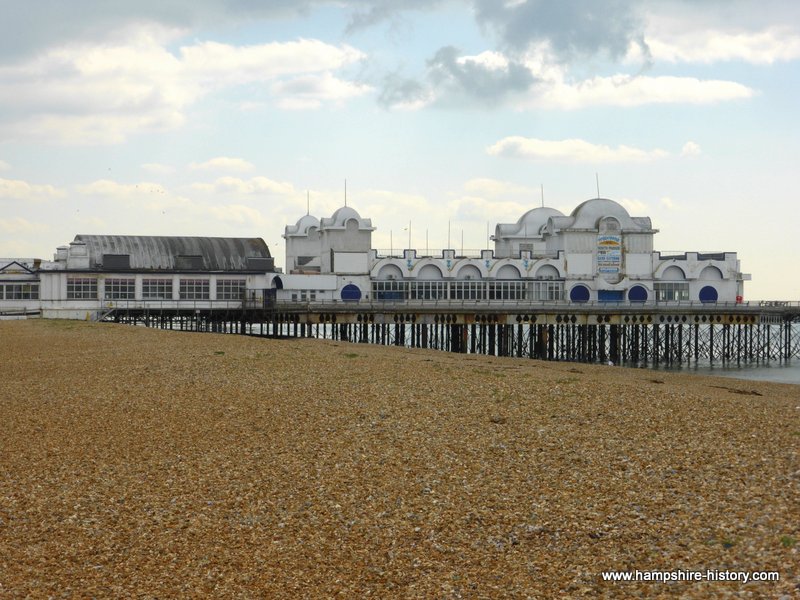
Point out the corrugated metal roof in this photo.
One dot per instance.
(160, 252)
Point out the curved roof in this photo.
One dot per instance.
(339, 219)
(157, 252)
(588, 214)
(341, 215)
(302, 226)
(530, 223)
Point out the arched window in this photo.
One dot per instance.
(579, 294)
(429, 272)
(547, 272)
(708, 294)
(469, 272)
(710, 274)
(637, 293)
(508, 272)
(673, 273)
(351, 293)
(390, 272)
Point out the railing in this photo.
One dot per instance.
(483, 305)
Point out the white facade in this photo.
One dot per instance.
(97, 274)
(597, 254)
(339, 244)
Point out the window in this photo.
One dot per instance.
(230, 289)
(427, 290)
(547, 291)
(390, 290)
(671, 291)
(194, 289)
(507, 290)
(156, 289)
(20, 291)
(120, 289)
(81, 288)
(468, 290)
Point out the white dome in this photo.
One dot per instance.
(533, 220)
(344, 214)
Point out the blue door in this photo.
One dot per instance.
(351, 293)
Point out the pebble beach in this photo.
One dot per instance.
(160, 464)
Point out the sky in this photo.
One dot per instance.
(235, 117)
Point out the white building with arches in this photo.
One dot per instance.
(596, 254)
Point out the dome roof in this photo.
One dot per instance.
(534, 219)
(587, 214)
(340, 218)
(343, 214)
(307, 221)
(529, 224)
(302, 226)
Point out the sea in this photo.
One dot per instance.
(776, 371)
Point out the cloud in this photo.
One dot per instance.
(570, 150)
(256, 185)
(571, 30)
(668, 203)
(403, 93)
(690, 149)
(4, 166)
(479, 209)
(311, 91)
(630, 90)
(238, 213)
(764, 47)
(494, 188)
(486, 79)
(158, 169)
(634, 206)
(20, 225)
(220, 65)
(16, 189)
(224, 163)
(98, 94)
(28, 29)
(491, 78)
(369, 13)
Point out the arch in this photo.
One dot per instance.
(390, 272)
(708, 294)
(609, 224)
(351, 225)
(673, 273)
(313, 233)
(711, 274)
(351, 293)
(469, 272)
(277, 283)
(547, 272)
(508, 272)
(637, 293)
(429, 272)
(579, 293)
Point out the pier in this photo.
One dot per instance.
(622, 334)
